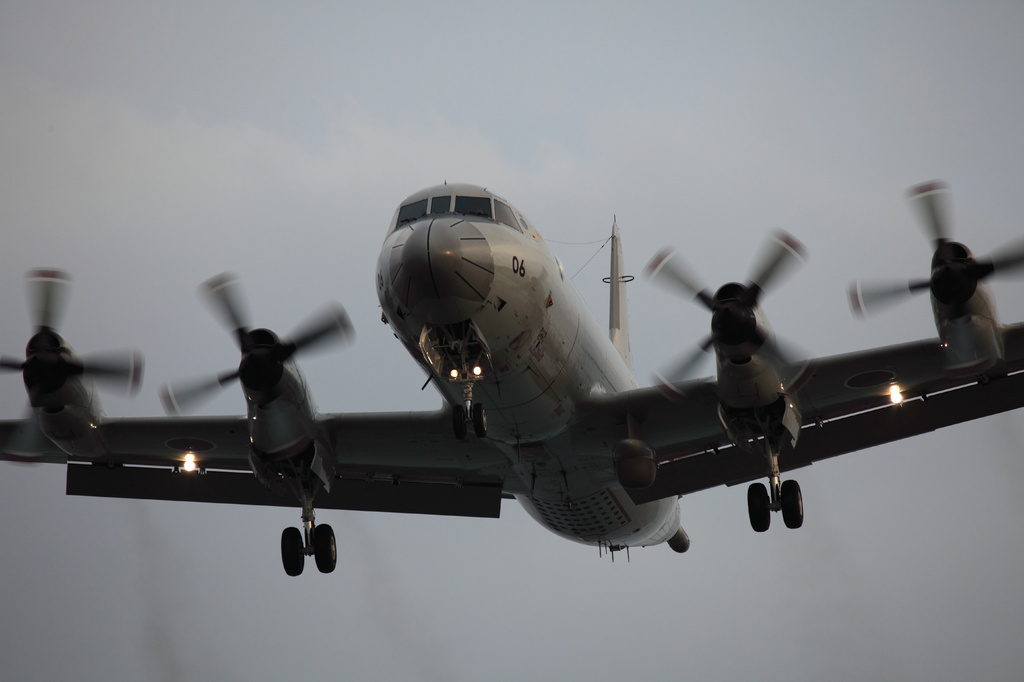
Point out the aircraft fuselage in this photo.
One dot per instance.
(482, 304)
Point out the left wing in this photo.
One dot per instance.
(845, 403)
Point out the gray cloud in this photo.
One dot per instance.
(145, 148)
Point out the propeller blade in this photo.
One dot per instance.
(330, 325)
(185, 395)
(685, 367)
(868, 298)
(1008, 258)
(931, 201)
(27, 440)
(48, 291)
(670, 270)
(15, 364)
(792, 359)
(223, 292)
(784, 252)
(117, 370)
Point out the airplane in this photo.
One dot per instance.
(540, 403)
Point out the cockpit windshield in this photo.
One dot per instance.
(441, 204)
(413, 211)
(503, 214)
(477, 206)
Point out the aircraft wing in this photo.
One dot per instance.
(845, 403)
(409, 462)
(400, 462)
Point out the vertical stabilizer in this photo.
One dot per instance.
(617, 318)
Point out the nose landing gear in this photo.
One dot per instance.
(469, 411)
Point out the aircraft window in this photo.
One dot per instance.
(504, 215)
(441, 205)
(473, 206)
(522, 221)
(411, 212)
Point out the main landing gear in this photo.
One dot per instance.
(785, 497)
(317, 541)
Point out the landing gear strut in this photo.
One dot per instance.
(317, 541)
(469, 412)
(785, 497)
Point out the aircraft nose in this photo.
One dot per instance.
(444, 269)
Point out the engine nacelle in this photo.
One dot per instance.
(972, 343)
(774, 421)
(635, 464)
(72, 428)
(755, 382)
(267, 475)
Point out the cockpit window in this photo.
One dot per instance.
(413, 211)
(480, 206)
(441, 204)
(504, 214)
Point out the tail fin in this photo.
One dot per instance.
(617, 317)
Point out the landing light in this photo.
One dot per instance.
(895, 395)
(477, 371)
(190, 462)
(455, 374)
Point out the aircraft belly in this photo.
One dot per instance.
(606, 517)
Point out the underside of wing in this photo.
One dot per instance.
(846, 402)
(402, 462)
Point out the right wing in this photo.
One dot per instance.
(398, 462)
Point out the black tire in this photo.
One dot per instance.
(325, 549)
(459, 422)
(292, 555)
(792, 504)
(759, 507)
(479, 421)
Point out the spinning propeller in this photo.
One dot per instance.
(49, 363)
(734, 325)
(955, 271)
(263, 353)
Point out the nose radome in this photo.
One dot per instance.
(445, 270)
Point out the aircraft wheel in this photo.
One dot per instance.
(292, 555)
(479, 421)
(325, 549)
(759, 507)
(459, 421)
(792, 504)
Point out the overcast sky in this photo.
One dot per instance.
(145, 147)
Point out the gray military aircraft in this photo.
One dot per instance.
(539, 400)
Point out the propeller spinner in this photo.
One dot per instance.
(735, 329)
(263, 353)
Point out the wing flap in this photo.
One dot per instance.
(475, 499)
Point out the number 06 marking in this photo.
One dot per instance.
(519, 266)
